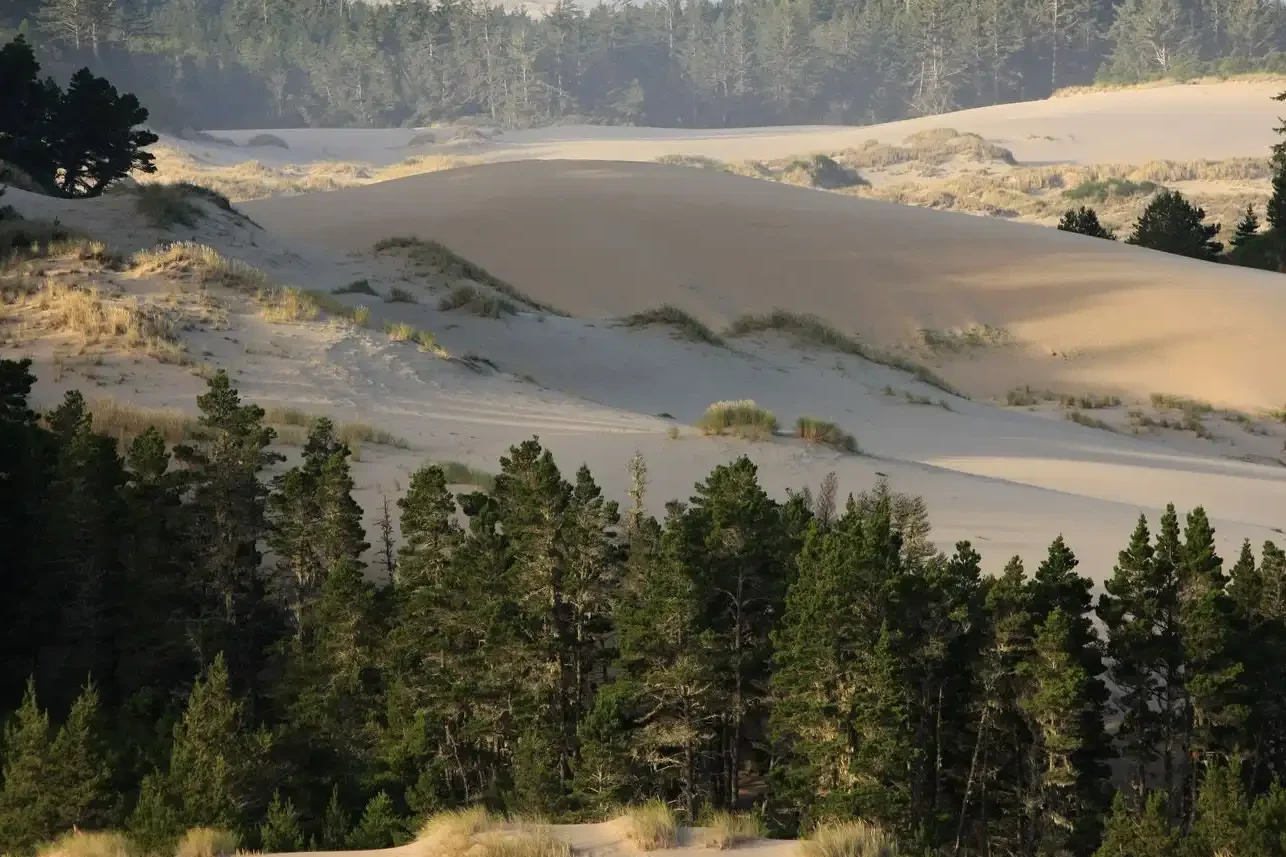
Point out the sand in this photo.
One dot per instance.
(607, 239)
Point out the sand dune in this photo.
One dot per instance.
(1205, 120)
(605, 239)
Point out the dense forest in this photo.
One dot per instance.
(284, 63)
(188, 640)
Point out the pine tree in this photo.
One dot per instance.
(1084, 221)
(1171, 224)
(1247, 228)
(379, 827)
(1145, 833)
(280, 832)
(80, 775)
(29, 811)
(335, 824)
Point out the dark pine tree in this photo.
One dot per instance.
(1084, 221)
(1171, 224)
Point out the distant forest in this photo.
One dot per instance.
(287, 63)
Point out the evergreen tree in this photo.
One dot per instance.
(1171, 224)
(280, 832)
(80, 775)
(379, 827)
(1084, 221)
(1145, 833)
(1247, 228)
(29, 812)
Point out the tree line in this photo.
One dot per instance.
(700, 63)
(1172, 224)
(189, 641)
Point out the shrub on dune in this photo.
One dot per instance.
(741, 417)
(267, 140)
(849, 839)
(207, 842)
(684, 323)
(650, 826)
(100, 844)
(730, 829)
(825, 433)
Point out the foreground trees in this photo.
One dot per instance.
(535, 653)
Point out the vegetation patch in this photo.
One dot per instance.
(650, 826)
(684, 323)
(821, 171)
(207, 842)
(520, 842)
(100, 844)
(741, 417)
(398, 295)
(729, 829)
(848, 839)
(267, 140)
(98, 318)
(960, 339)
(698, 161)
(289, 304)
(208, 265)
(125, 421)
(1084, 419)
(403, 332)
(1102, 190)
(454, 267)
(470, 298)
(825, 433)
(458, 473)
(166, 205)
(424, 138)
(1171, 402)
(357, 287)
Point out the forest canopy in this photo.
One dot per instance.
(284, 63)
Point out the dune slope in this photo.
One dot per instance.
(605, 239)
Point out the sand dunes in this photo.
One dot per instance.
(609, 239)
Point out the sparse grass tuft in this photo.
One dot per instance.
(520, 842)
(848, 839)
(356, 433)
(454, 267)
(468, 297)
(361, 315)
(267, 140)
(742, 417)
(403, 332)
(729, 829)
(207, 842)
(77, 844)
(1084, 419)
(821, 171)
(685, 324)
(825, 433)
(698, 161)
(451, 832)
(357, 287)
(1169, 401)
(398, 295)
(650, 826)
(959, 339)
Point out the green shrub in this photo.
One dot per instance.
(357, 287)
(825, 433)
(267, 140)
(467, 297)
(1101, 191)
(166, 205)
(399, 296)
(742, 418)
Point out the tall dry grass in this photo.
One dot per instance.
(90, 844)
(97, 318)
(684, 323)
(468, 297)
(825, 433)
(452, 267)
(125, 421)
(649, 826)
(451, 833)
(289, 304)
(208, 265)
(725, 830)
(207, 842)
(848, 839)
(524, 841)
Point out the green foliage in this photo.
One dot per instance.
(825, 433)
(686, 325)
(1084, 221)
(1171, 224)
(743, 418)
(379, 827)
(281, 831)
(75, 142)
(1101, 191)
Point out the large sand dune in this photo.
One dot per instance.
(606, 239)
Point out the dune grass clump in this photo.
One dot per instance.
(355, 433)
(281, 306)
(520, 842)
(821, 171)
(357, 287)
(848, 839)
(742, 418)
(730, 829)
(1171, 402)
(166, 205)
(424, 138)
(825, 433)
(468, 297)
(207, 842)
(1101, 190)
(95, 318)
(454, 267)
(1084, 419)
(267, 140)
(959, 339)
(685, 324)
(650, 826)
(210, 266)
(699, 161)
(87, 844)
(403, 332)
(397, 295)
(451, 833)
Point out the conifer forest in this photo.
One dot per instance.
(197, 635)
(287, 63)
